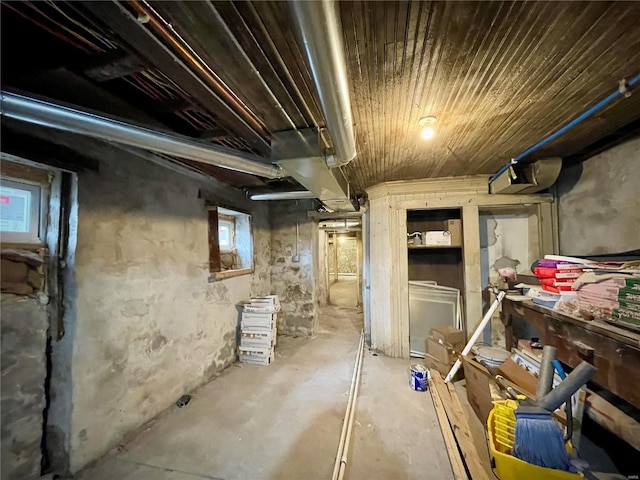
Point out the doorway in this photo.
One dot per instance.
(341, 241)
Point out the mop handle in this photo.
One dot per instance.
(474, 337)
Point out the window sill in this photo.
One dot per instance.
(230, 273)
(33, 246)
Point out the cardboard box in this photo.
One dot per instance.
(435, 364)
(448, 334)
(455, 228)
(478, 389)
(519, 376)
(436, 238)
(441, 351)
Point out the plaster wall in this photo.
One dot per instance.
(599, 203)
(144, 324)
(505, 239)
(294, 282)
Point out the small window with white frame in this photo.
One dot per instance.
(230, 242)
(226, 232)
(21, 211)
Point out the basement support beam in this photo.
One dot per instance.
(144, 43)
(335, 257)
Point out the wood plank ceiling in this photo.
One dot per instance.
(499, 76)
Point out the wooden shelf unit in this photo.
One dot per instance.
(441, 263)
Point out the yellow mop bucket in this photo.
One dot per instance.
(502, 426)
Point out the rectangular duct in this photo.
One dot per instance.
(301, 155)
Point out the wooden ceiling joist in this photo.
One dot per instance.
(145, 44)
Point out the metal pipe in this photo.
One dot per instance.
(163, 29)
(570, 385)
(347, 414)
(283, 196)
(73, 120)
(291, 83)
(320, 31)
(545, 378)
(622, 91)
(352, 413)
(273, 99)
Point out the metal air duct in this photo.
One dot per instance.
(320, 31)
(300, 154)
(74, 120)
(283, 196)
(527, 178)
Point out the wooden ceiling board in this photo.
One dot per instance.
(500, 76)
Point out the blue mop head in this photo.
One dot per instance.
(539, 440)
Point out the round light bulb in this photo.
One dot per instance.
(428, 133)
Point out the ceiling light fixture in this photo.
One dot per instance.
(427, 132)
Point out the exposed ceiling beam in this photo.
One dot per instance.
(144, 43)
(42, 151)
(111, 65)
(62, 117)
(214, 134)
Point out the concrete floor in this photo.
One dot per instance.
(284, 421)
(343, 292)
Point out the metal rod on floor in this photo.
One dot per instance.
(345, 435)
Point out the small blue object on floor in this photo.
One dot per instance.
(539, 440)
(419, 377)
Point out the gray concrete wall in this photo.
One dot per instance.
(143, 323)
(24, 325)
(294, 282)
(599, 203)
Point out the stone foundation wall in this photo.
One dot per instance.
(294, 282)
(23, 346)
(148, 324)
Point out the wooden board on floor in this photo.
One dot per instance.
(478, 428)
(459, 473)
(460, 427)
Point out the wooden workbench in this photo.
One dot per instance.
(614, 351)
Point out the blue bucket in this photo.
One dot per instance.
(419, 380)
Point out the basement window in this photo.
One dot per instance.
(230, 243)
(226, 232)
(20, 212)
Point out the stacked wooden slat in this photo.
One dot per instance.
(258, 331)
